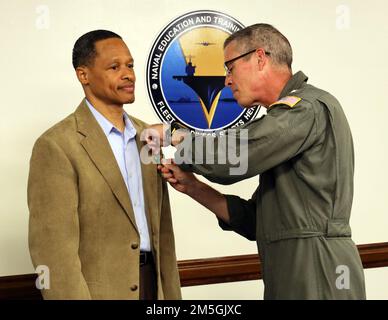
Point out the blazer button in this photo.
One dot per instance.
(134, 287)
(134, 246)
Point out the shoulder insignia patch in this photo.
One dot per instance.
(290, 101)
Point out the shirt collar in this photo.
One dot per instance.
(107, 126)
(294, 83)
(129, 128)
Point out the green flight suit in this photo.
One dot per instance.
(299, 214)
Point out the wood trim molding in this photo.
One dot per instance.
(19, 287)
(218, 270)
(374, 255)
(195, 272)
(248, 267)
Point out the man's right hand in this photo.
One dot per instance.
(155, 136)
(159, 135)
(180, 180)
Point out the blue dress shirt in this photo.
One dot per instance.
(124, 148)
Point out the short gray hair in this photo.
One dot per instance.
(262, 35)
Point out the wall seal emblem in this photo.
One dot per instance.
(185, 74)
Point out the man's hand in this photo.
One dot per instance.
(159, 135)
(180, 180)
(155, 136)
(179, 135)
(187, 183)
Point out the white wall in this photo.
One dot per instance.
(341, 45)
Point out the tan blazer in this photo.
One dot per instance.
(82, 225)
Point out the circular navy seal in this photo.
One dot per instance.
(186, 75)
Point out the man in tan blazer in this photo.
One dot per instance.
(100, 217)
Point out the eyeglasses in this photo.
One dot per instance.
(226, 63)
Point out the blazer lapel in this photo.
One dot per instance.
(97, 146)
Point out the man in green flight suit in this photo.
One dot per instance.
(303, 150)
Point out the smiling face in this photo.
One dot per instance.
(109, 79)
